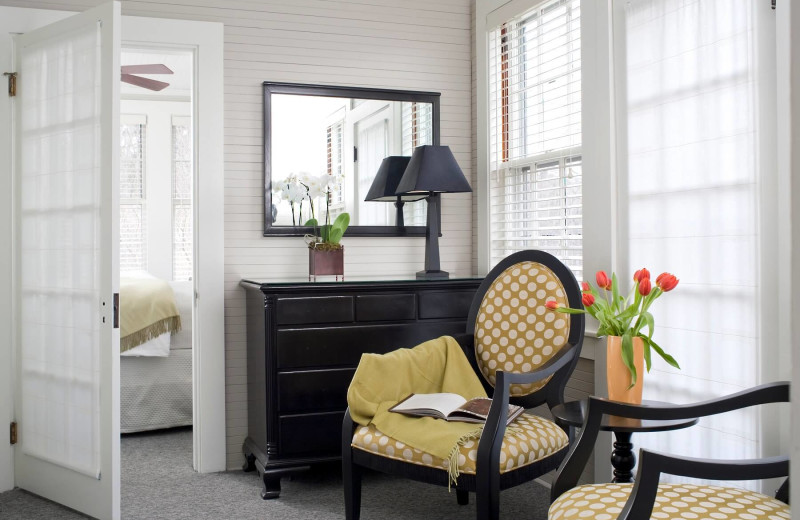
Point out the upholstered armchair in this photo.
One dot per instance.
(649, 499)
(523, 355)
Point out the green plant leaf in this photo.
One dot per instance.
(335, 235)
(568, 310)
(627, 356)
(650, 322)
(669, 359)
(342, 221)
(311, 222)
(647, 352)
(615, 293)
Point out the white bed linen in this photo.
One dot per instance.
(156, 347)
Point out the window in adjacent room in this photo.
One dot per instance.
(335, 148)
(417, 130)
(535, 134)
(133, 214)
(182, 176)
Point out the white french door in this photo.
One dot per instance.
(66, 261)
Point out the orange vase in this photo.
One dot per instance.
(618, 376)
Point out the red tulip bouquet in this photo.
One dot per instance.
(619, 316)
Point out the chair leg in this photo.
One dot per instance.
(487, 498)
(462, 496)
(351, 475)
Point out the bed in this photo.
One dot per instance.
(156, 375)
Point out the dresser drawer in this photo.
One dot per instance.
(313, 390)
(386, 307)
(445, 304)
(315, 309)
(310, 434)
(314, 347)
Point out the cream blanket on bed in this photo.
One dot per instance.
(147, 309)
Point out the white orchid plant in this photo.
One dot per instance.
(302, 186)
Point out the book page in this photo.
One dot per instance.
(443, 403)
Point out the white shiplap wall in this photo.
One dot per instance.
(414, 45)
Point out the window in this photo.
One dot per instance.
(132, 211)
(535, 134)
(335, 146)
(182, 176)
(417, 130)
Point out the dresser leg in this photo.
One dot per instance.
(249, 463)
(272, 486)
(462, 496)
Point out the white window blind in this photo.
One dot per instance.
(335, 146)
(535, 134)
(182, 173)
(133, 214)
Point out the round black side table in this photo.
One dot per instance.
(623, 459)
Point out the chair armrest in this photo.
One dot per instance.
(652, 464)
(570, 470)
(494, 429)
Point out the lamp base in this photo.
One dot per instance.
(432, 275)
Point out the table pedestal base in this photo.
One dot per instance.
(622, 458)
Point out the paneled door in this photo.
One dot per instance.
(66, 261)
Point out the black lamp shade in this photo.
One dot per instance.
(384, 187)
(433, 169)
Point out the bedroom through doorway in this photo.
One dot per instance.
(157, 260)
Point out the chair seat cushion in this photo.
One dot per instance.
(674, 501)
(538, 439)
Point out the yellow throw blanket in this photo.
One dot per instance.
(381, 381)
(147, 309)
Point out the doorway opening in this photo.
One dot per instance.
(157, 267)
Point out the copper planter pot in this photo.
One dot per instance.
(321, 262)
(617, 374)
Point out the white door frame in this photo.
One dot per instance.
(205, 40)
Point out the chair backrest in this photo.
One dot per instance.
(513, 330)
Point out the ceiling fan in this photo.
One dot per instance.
(128, 72)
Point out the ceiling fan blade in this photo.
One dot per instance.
(153, 68)
(147, 83)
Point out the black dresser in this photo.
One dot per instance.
(304, 340)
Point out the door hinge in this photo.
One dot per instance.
(355, 154)
(12, 83)
(13, 433)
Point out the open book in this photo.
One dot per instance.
(451, 407)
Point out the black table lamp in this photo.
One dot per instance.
(431, 171)
(384, 187)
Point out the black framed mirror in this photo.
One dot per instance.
(336, 137)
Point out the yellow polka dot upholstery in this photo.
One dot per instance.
(674, 501)
(538, 438)
(514, 331)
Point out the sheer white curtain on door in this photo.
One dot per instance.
(688, 75)
(372, 148)
(59, 191)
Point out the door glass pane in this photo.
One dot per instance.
(59, 285)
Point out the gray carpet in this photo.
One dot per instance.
(158, 483)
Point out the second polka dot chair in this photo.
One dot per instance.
(524, 355)
(649, 499)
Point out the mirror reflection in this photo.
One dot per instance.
(335, 145)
